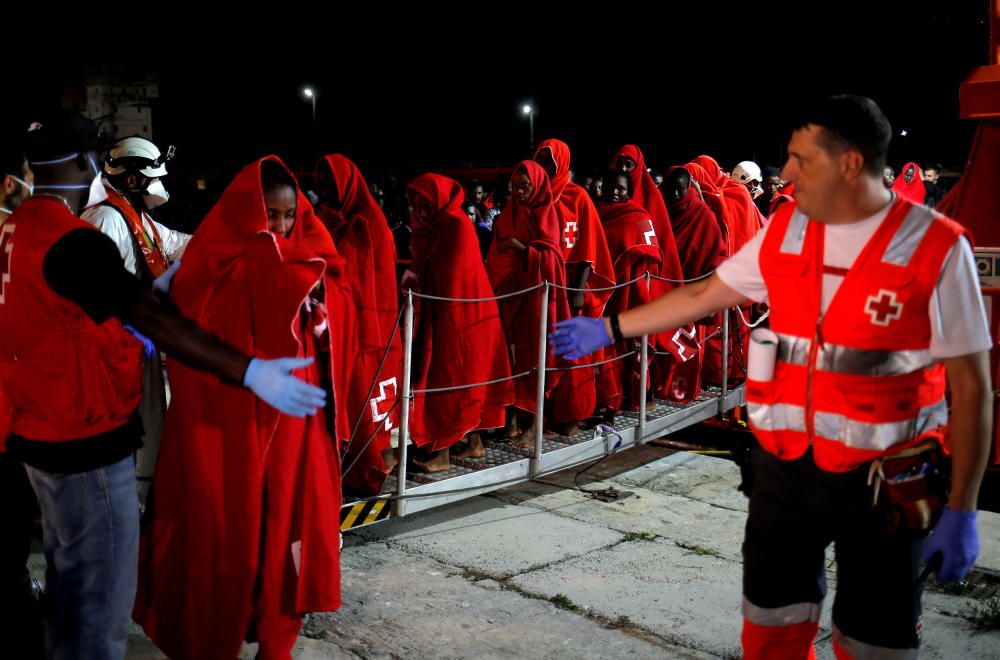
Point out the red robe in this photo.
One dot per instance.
(242, 526)
(914, 190)
(647, 195)
(583, 242)
(454, 343)
(739, 226)
(699, 238)
(361, 234)
(636, 251)
(536, 225)
(744, 218)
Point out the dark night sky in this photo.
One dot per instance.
(407, 98)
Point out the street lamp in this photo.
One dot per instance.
(530, 111)
(311, 95)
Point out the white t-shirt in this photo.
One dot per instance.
(958, 318)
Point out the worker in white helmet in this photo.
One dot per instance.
(133, 185)
(748, 173)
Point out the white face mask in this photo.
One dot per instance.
(156, 194)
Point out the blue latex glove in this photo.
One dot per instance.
(163, 282)
(272, 381)
(573, 338)
(148, 349)
(955, 538)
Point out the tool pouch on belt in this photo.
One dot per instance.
(911, 488)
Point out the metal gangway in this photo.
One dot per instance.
(506, 464)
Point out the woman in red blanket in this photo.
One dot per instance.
(455, 343)
(361, 234)
(242, 535)
(525, 253)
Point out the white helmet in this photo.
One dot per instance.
(138, 155)
(746, 172)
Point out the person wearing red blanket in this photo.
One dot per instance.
(910, 184)
(732, 204)
(702, 248)
(588, 267)
(631, 161)
(455, 343)
(361, 234)
(526, 252)
(635, 251)
(242, 537)
(699, 237)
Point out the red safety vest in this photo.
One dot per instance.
(149, 243)
(66, 377)
(858, 382)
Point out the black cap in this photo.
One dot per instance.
(61, 134)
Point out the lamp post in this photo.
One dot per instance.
(311, 95)
(530, 111)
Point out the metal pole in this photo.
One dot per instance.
(313, 97)
(543, 328)
(404, 418)
(531, 128)
(643, 374)
(725, 360)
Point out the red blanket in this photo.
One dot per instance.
(914, 190)
(454, 343)
(242, 524)
(536, 225)
(361, 234)
(699, 238)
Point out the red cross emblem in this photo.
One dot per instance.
(685, 342)
(883, 307)
(651, 234)
(6, 247)
(380, 404)
(570, 232)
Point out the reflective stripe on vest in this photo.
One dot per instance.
(906, 239)
(857, 361)
(850, 432)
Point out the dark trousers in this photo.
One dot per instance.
(20, 614)
(796, 511)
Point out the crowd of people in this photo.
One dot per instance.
(281, 318)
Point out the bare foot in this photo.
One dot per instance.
(526, 439)
(571, 430)
(472, 448)
(437, 462)
(389, 458)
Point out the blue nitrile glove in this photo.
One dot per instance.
(573, 338)
(148, 349)
(163, 282)
(272, 381)
(955, 538)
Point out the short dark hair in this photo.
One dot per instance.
(679, 174)
(851, 122)
(61, 134)
(608, 181)
(770, 170)
(933, 166)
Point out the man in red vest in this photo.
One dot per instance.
(133, 186)
(874, 301)
(72, 374)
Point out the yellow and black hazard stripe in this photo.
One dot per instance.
(364, 513)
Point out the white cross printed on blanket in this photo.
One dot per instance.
(570, 233)
(377, 414)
